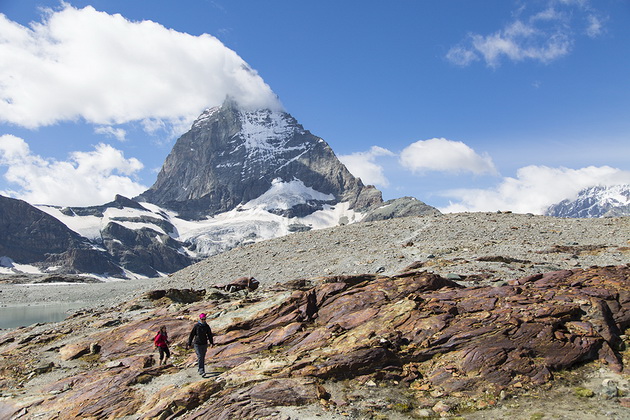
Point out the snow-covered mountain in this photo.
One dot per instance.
(231, 156)
(236, 177)
(599, 201)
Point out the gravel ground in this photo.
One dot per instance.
(445, 244)
(516, 245)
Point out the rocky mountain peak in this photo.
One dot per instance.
(232, 155)
(597, 201)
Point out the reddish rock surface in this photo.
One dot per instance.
(282, 347)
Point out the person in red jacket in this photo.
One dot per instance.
(161, 343)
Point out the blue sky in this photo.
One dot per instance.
(466, 105)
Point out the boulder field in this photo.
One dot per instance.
(419, 344)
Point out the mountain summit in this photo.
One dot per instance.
(231, 156)
(598, 201)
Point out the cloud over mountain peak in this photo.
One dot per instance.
(105, 69)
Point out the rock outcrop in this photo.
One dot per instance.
(416, 335)
(148, 250)
(400, 207)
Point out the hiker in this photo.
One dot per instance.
(161, 343)
(200, 336)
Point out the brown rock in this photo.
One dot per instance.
(354, 363)
(177, 295)
(171, 401)
(257, 401)
(441, 407)
(74, 351)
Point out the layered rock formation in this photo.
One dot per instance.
(400, 207)
(420, 339)
(30, 236)
(137, 240)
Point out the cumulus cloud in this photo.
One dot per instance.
(86, 178)
(444, 155)
(107, 70)
(543, 36)
(363, 165)
(534, 189)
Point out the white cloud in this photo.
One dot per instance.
(462, 56)
(363, 165)
(105, 69)
(520, 41)
(595, 26)
(86, 178)
(117, 133)
(444, 155)
(543, 36)
(534, 189)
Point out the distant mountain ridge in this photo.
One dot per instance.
(597, 201)
(236, 177)
(30, 236)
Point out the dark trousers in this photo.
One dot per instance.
(201, 350)
(164, 353)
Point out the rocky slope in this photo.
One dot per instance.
(473, 246)
(30, 236)
(456, 314)
(413, 345)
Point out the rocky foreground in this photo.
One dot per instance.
(367, 346)
(440, 325)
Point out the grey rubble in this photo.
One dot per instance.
(448, 244)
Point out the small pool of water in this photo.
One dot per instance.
(22, 316)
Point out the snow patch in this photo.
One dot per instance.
(266, 135)
(285, 195)
(90, 227)
(86, 226)
(8, 266)
(261, 127)
(140, 225)
(205, 116)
